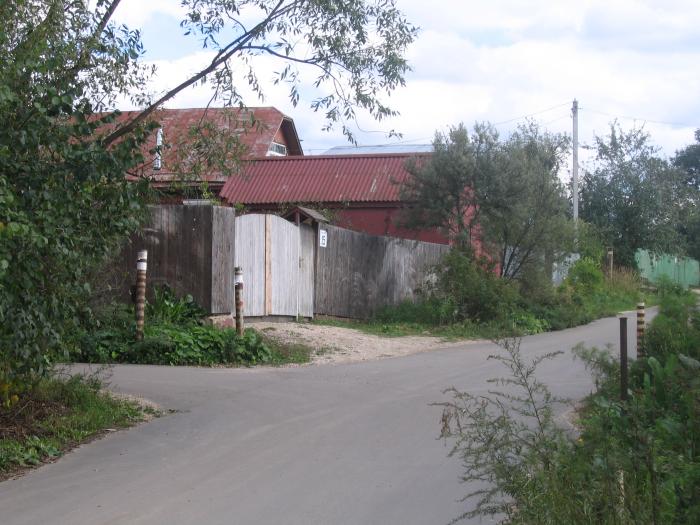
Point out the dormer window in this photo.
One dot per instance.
(277, 150)
(157, 159)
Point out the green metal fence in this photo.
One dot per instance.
(681, 270)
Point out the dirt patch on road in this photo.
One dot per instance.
(333, 344)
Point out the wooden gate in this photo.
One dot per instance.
(277, 259)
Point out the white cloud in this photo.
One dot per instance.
(503, 59)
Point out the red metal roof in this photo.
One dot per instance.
(316, 179)
(177, 125)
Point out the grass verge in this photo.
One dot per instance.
(56, 416)
(464, 330)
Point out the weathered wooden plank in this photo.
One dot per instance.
(222, 257)
(268, 265)
(283, 237)
(249, 254)
(306, 271)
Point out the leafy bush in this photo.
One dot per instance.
(585, 277)
(677, 329)
(175, 333)
(168, 344)
(467, 289)
(168, 308)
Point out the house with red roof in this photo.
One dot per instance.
(360, 192)
(257, 132)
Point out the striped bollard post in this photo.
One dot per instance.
(238, 289)
(141, 265)
(640, 331)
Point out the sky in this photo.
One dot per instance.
(500, 61)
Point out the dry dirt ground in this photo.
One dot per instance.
(333, 344)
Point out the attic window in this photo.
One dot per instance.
(157, 159)
(277, 150)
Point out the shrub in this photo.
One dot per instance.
(585, 277)
(175, 333)
(676, 330)
(469, 290)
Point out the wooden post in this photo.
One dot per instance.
(141, 265)
(610, 263)
(238, 280)
(624, 382)
(640, 331)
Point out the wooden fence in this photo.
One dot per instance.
(288, 270)
(357, 273)
(191, 249)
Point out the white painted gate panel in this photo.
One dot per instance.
(277, 259)
(250, 256)
(284, 270)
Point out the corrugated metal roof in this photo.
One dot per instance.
(316, 179)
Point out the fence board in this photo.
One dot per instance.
(222, 257)
(306, 270)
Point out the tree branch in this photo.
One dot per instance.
(225, 54)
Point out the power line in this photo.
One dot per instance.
(531, 114)
(626, 117)
(514, 119)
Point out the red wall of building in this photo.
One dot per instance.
(383, 221)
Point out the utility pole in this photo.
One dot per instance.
(575, 160)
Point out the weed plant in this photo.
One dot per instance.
(56, 415)
(176, 333)
(629, 462)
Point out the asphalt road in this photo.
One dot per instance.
(333, 444)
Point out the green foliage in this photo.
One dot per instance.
(586, 277)
(629, 462)
(468, 289)
(688, 160)
(64, 203)
(506, 440)
(586, 295)
(167, 308)
(677, 330)
(58, 414)
(175, 333)
(502, 194)
(467, 300)
(635, 198)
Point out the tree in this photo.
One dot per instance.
(445, 191)
(504, 193)
(525, 215)
(633, 196)
(64, 201)
(688, 160)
